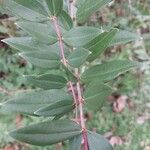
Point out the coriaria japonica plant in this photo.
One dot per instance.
(55, 42)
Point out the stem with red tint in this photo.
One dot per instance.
(82, 119)
(64, 61)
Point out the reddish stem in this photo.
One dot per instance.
(82, 120)
(75, 101)
(59, 35)
(79, 99)
(61, 45)
(71, 7)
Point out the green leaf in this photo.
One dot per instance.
(56, 49)
(33, 5)
(80, 36)
(3, 29)
(28, 103)
(79, 2)
(25, 44)
(65, 20)
(27, 12)
(69, 75)
(55, 109)
(98, 142)
(98, 45)
(108, 70)
(47, 133)
(123, 37)
(75, 142)
(44, 59)
(42, 32)
(96, 95)
(54, 6)
(47, 81)
(87, 8)
(78, 57)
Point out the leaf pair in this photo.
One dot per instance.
(97, 92)
(96, 41)
(52, 132)
(30, 103)
(39, 11)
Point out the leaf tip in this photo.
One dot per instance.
(12, 133)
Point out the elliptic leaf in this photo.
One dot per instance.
(47, 133)
(123, 37)
(47, 81)
(27, 12)
(25, 44)
(87, 8)
(78, 57)
(43, 59)
(98, 45)
(98, 142)
(79, 36)
(55, 6)
(108, 70)
(75, 142)
(55, 109)
(65, 20)
(33, 5)
(96, 95)
(42, 32)
(69, 75)
(28, 103)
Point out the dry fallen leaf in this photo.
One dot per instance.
(142, 119)
(18, 121)
(119, 104)
(147, 148)
(116, 140)
(11, 147)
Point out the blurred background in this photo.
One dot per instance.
(125, 120)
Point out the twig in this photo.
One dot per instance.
(80, 99)
(61, 45)
(82, 120)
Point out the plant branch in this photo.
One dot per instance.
(82, 119)
(64, 61)
(59, 35)
(80, 99)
